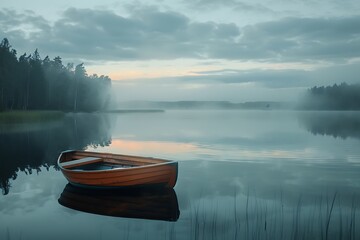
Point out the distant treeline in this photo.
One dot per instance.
(29, 82)
(337, 97)
(184, 105)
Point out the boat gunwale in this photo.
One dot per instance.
(166, 162)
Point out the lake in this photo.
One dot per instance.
(242, 175)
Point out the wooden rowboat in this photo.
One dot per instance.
(143, 203)
(106, 170)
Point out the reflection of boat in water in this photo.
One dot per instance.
(145, 203)
(94, 169)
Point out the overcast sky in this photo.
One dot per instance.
(236, 50)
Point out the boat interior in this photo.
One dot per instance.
(88, 161)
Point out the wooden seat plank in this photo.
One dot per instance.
(81, 161)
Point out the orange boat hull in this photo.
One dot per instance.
(139, 171)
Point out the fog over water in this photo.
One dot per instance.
(237, 170)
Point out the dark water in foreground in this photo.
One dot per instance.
(242, 175)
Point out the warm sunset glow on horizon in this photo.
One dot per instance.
(152, 146)
(154, 70)
(152, 74)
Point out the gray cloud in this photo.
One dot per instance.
(296, 39)
(152, 34)
(236, 5)
(288, 78)
(94, 34)
(268, 78)
(259, 10)
(11, 22)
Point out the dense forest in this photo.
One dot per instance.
(337, 97)
(29, 82)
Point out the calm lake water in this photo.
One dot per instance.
(242, 175)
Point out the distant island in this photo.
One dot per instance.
(32, 83)
(337, 97)
(204, 105)
(134, 111)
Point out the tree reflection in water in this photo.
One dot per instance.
(336, 124)
(27, 148)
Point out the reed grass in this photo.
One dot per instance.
(8, 234)
(248, 217)
(252, 218)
